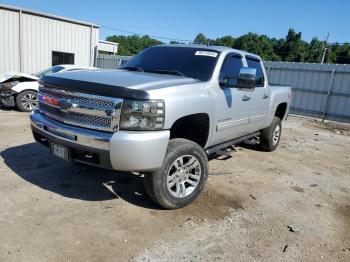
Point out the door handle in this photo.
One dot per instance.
(245, 98)
(265, 96)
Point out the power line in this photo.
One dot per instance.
(139, 34)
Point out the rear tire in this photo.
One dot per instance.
(270, 136)
(181, 178)
(27, 101)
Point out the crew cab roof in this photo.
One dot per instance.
(214, 48)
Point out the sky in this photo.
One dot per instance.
(184, 19)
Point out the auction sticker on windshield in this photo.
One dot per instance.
(206, 53)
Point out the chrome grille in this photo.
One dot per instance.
(86, 119)
(76, 118)
(89, 111)
(77, 99)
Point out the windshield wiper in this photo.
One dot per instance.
(133, 68)
(167, 72)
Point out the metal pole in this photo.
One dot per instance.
(20, 40)
(91, 47)
(324, 49)
(327, 96)
(268, 71)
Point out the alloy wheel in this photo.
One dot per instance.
(29, 101)
(184, 176)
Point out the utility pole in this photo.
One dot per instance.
(325, 44)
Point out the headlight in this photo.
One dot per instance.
(8, 85)
(142, 115)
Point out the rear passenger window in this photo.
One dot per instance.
(254, 63)
(231, 66)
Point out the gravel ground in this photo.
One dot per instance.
(289, 205)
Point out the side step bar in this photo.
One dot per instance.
(218, 148)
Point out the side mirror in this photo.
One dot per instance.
(246, 78)
(223, 80)
(122, 62)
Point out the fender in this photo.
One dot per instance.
(24, 86)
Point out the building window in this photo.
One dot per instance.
(60, 58)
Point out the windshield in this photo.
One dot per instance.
(52, 69)
(197, 63)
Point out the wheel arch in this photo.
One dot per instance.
(281, 110)
(194, 127)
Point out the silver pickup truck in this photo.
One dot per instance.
(162, 114)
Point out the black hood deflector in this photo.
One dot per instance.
(93, 88)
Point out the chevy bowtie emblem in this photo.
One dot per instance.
(110, 112)
(49, 100)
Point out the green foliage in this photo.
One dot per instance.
(228, 41)
(256, 44)
(131, 45)
(201, 39)
(291, 48)
(315, 50)
(339, 54)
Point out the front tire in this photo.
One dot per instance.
(270, 136)
(27, 101)
(181, 178)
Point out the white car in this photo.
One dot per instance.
(21, 89)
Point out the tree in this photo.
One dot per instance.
(291, 48)
(201, 39)
(295, 49)
(315, 51)
(277, 45)
(342, 53)
(131, 45)
(256, 44)
(227, 40)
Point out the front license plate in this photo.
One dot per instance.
(60, 151)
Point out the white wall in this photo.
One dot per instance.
(9, 39)
(39, 37)
(106, 46)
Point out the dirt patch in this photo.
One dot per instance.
(52, 210)
(211, 205)
(337, 128)
(298, 189)
(344, 212)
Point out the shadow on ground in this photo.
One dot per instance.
(33, 163)
(4, 108)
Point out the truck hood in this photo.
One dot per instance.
(114, 83)
(9, 76)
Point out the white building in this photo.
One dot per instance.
(31, 41)
(108, 47)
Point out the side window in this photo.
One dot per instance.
(254, 63)
(231, 66)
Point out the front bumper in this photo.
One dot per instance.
(122, 150)
(7, 98)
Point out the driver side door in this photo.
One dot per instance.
(231, 103)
